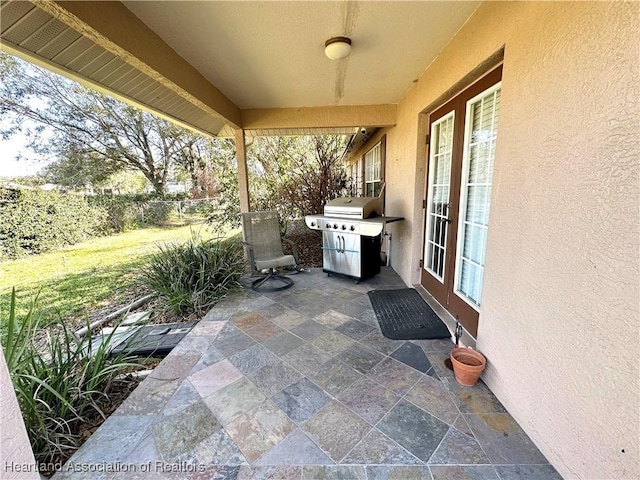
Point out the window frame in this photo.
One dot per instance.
(382, 144)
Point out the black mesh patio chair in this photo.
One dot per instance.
(262, 242)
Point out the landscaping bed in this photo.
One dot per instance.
(116, 390)
(309, 243)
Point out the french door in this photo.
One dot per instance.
(461, 152)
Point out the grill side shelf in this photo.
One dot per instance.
(368, 227)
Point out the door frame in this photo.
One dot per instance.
(444, 292)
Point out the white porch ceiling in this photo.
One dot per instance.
(271, 54)
(258, 65)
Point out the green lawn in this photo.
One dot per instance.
(87, 276)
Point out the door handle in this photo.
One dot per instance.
(445, 213)
(341, 239)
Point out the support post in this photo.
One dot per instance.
(243, 179)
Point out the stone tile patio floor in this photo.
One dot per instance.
(300, 384)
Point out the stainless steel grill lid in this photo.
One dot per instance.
(354, 207)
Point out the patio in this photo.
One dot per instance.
(301, 384)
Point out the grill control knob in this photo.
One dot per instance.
(313, 224)
(344, 227)
(335, 225)
(352, 228)
(328, 225)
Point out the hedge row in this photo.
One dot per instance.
(128, 212)
(35, 221)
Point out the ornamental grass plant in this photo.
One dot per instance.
(60, 380)
(193, 276)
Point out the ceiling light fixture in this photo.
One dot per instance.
(337, 48)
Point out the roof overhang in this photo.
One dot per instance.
(105, 45)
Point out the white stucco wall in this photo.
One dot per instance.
(560, 321)
(16, 457)
(562, 262)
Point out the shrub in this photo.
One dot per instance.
(204, 208)
(35, 221)
(195, 275)
(128, 212)
(57, 385)
(122, 213)
(158, 212)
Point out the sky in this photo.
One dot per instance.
(16, 146)
(9, 150)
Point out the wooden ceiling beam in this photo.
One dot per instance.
(320, 117)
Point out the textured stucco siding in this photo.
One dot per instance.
(16, 457)
(560, 320)
(560, 315)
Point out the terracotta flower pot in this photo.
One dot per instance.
(467, 365)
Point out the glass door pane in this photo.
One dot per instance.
(475, 193)
(438, 196)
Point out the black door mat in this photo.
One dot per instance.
(404, 315)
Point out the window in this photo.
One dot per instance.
(356, 179)
(374, 169)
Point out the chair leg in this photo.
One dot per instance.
(287, 282)
(257, 283)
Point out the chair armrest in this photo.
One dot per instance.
(294, 247)
(249, 252)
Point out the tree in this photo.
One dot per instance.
(298, 175)
(222, 153)
(218, 177)
(76, 170)
(91, 128)
(193, 159)
(124, 182)
(294, 175)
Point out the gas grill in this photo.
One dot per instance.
(351, 235)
